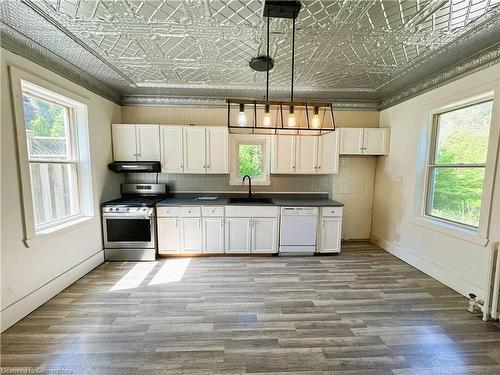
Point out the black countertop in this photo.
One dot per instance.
(292, 200)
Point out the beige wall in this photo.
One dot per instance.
(30, 276)
(460, 264)
(179, 115)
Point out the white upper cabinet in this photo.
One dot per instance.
(376, 141)
(148, 142)
(217, 148)
(283, 154)
(194, 149)
(351, 141)
(364, 141)
(171, 149)
(305, 154)
(328, 153)
(136, 142)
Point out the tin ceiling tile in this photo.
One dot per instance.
(356, 49)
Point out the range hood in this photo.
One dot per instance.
(135, 166)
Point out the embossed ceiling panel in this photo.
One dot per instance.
(356, 50)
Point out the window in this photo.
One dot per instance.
(54, 155)
(457, 164)
(250, 156)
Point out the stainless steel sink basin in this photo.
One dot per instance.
(251, 200)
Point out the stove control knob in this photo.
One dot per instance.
(110, 209)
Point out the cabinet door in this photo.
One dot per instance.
(306, 154)
(191, 235)
(328, 153)
(148, 142)
(171, 149)
(376, 141)
(168, 235)
(264, 235)
(351, 141)
(124, 142)
(217, 144)
(213, 235)
(283, 154)
(194, 149)
(238, 235)
(331, 235)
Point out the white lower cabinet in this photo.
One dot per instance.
(330, 230)
(191, 235)
(238, 235)
(168, 235)
(264, 235)
(213, 235)
(251, 229)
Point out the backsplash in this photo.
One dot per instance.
(220, 183)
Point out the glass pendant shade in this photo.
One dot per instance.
(242, 118)
(291, 117)
(315, 123)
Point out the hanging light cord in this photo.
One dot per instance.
(293, 55)
(267, 70)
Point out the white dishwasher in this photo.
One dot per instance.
(298, 230)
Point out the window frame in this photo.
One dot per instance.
(432, 165)
(21, 82)
(235, 140)
(474, 235)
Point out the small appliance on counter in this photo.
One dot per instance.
(129, 223)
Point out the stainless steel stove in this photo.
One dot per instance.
(129, 224)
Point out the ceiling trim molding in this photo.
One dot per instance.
(21, 45)
(462, 69)
(161, 100)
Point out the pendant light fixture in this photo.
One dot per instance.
(294, 123)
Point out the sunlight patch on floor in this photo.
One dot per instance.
(172, 271)
(134, 277)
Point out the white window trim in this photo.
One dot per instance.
(31, 235)
(480, 235)
(234, 142)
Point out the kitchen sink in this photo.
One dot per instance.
(251, 200)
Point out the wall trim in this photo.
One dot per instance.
(445, 276)
(27, 304)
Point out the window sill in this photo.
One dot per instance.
(469, 235)
(50, 233)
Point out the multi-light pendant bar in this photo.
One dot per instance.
(269, 117)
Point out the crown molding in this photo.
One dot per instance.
(459, 70)
(19, 44)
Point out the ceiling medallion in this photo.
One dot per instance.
(268, 117)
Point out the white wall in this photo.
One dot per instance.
(30, 276)
(460, 264)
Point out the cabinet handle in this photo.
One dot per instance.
(319, 167)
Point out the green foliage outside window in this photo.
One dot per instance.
(462, 138)
(250, 160)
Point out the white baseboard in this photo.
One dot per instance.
(443, 275)
(18, 310)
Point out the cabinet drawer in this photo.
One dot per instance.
(190, 211)
(252, 211)
(331, 211)
(208, 211)
(167, 211)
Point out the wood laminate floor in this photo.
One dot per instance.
(363, 312)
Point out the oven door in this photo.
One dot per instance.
(122, 231)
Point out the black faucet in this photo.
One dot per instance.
(250, 194)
